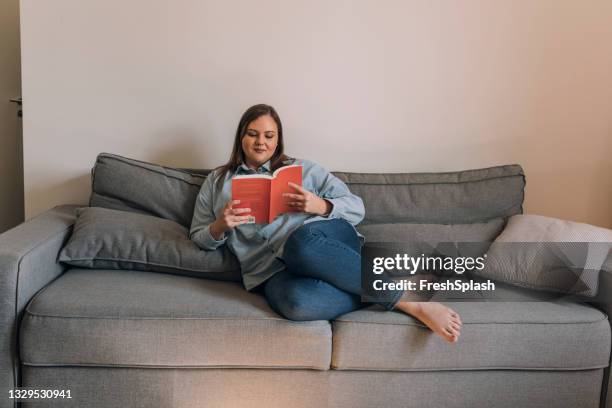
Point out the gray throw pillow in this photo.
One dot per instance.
(549, 254)
(113, 239)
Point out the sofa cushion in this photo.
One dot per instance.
(129, 318)
(450, 214)
(433, 234)
(433, 239)
(113, 239)
(126, 184)
(531, 333)
(547, 253)
(461, 197)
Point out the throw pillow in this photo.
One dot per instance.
(549, 254)
(114, 239)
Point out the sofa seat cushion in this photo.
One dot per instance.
(528, 335)
(135, 319)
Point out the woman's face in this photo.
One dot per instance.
(260, 141)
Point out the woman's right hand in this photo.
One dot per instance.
(230, 218)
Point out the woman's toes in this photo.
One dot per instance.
(451, 335)
(456, 326)
(448, 335)
(455, 316)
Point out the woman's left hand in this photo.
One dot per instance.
(306, 201)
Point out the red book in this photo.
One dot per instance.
(264, 194)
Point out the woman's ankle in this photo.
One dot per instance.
(411, 308)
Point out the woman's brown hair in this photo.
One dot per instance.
(237, 156)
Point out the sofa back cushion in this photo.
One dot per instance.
(131, 185)
(462, 197)
(470, 205)
(437, 214)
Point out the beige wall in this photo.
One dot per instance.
(361, 85)
(11, 166)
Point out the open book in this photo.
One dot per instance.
(264, 194)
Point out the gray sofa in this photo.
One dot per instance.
(125, 338)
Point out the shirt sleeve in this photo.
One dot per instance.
(203, 216)
(345, 204)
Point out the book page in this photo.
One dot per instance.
(279, 186)
(253, 193)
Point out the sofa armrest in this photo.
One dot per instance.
(28, 262)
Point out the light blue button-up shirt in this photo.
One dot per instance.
(259, 247)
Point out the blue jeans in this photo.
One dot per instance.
(322, 278)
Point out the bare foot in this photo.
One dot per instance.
(442, 320)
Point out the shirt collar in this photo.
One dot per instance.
(263, 168)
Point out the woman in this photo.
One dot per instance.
(306, 263)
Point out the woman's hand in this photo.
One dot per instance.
(306, 201)
(229, 219)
